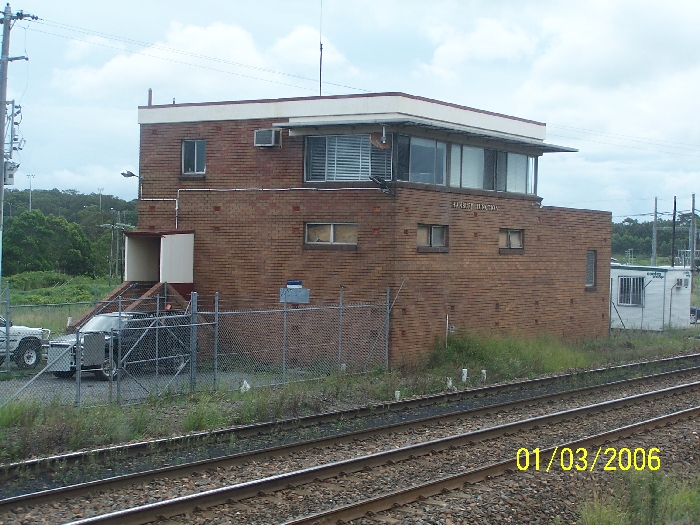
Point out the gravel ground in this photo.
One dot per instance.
(315, 497)
(539, 497)
(332, 492)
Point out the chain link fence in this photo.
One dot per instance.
(126, 355)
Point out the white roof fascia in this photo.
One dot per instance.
(301, 127)
(344, 109)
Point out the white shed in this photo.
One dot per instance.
(649, 297)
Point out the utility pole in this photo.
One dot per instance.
(30, 177)
(693, 234)
(5, 60)
(653, 235)
(119, 253)
(111, 249)
(100, 190)
(673, 235)
(320, 58)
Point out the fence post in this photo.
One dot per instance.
(111, 363)
(94, 293)
(7, 328)
(284, 342)
(78, 367)
(340, 328)
(193, 343)
(216, 340)
(386, 325)
(157, 338)
(119, 355)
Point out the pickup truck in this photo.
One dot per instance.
(25, 344)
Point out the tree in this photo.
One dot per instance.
(35, 242)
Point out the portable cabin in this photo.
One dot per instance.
(649, 297)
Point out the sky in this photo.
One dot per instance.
(617, 80)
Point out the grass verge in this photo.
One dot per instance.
(32, 428)
(646, 498)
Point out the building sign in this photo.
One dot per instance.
(294, 295)
(461, 205)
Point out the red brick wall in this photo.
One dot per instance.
(248, 243)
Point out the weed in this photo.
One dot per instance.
(203, 415)
(647, 498)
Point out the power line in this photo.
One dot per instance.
(175, 51)
(624, 146)
(633, 138)
(178, 61)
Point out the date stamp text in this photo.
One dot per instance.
(605, 458)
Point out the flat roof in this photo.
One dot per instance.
(372, 108)
(156, 233)
(618, 266)
(313, 126)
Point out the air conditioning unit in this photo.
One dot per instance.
(268, 138)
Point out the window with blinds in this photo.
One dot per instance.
(345, 158)
(631, 291)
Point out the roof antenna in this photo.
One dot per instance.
(320, 45)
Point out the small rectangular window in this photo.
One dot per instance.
(432, 235)
(510, 240)
(590, 268)
(193, 156)
(631, 291)
(331, 233)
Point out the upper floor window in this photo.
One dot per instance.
(486, 169)
(421, 160)
(347, 158)
(194, 157)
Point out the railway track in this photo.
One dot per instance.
(495, 393)
(441, 418)
(347, 489)
(370, 506)
(544, 401)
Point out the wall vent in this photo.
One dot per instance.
(267, 138)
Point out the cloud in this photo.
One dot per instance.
(168, 65)
(195, 63)
(491, 40)
(78, 50)
(301, 47)
(611, 44)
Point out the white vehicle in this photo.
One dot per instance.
(25, 344)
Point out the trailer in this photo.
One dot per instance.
(649, 297)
